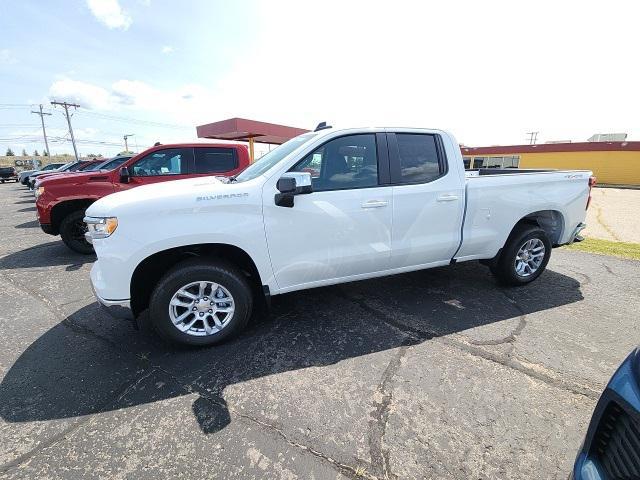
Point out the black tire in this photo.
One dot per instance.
(1, 181)
(72, 230)
(196, 270)
(505, 268)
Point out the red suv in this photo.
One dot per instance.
(63, 199)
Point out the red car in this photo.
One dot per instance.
(63, 199)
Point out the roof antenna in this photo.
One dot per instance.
(322, 126)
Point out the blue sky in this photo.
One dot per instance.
(488, 71)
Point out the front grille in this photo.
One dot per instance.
(616, 443)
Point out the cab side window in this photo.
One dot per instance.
(419, 162)
(343, 163)
(161, 162)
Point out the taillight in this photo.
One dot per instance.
(592, 183)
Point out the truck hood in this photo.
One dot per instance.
(64, 177)
(157, 197)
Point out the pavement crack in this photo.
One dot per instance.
(509, 360)
(378, 424)
(513, 335)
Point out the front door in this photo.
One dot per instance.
(343, 228)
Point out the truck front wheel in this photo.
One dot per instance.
(201, 302)
(524, 257)
(72, 230)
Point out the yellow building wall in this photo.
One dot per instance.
(620, 168)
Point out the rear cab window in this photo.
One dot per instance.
(420, 158)
(215, 160)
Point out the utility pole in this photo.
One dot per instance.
(126, 145)
(533, 137)
(66, 114)
(44, 132)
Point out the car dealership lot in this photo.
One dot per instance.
(439, 373)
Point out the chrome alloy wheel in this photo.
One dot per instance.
(529, 257)
(201, 308)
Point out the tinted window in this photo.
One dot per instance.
(215, 160)
(112, 164)
(346, 162)
(161, 162)
(467, 162)
(418, 158)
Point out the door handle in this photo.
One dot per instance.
(375, 204)
(447, 198)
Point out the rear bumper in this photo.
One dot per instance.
(575, 235)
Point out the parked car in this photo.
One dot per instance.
(83, 166)
(326, 207)
(611, 448)
(23, 177)
(75, 166)
(61, 201)
(8, 174)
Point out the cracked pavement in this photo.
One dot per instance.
(433, 374)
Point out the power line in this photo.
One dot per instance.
(44, 132)
(66, 112)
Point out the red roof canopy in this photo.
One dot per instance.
(243, 129)
(553, 147)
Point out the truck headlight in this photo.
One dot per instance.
(100, 227)
(39, 191)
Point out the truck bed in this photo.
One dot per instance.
(496, 199)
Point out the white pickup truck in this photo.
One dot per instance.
(327, 207)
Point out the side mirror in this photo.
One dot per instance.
(291, 184)
(124, 175)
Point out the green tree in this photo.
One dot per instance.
(9, 153)
(24, 152)
(35, 153)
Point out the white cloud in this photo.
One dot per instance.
(168, 49)
(85, 94)
(110, 13)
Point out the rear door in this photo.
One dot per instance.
(160, 166)
(215, 161)
(427, 200)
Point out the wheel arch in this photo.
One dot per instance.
(64, 208)
(149, 271)
(551, 221)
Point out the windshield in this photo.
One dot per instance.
(65, 167)
(51, 166)
(268, 160)
(90, 168)
(112, 163)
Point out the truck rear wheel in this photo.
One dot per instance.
(201, 302)
(524, 257)
(72, 230)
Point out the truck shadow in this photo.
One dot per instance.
(90, 363)
(44, 255)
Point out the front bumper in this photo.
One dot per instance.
(48, 229)
(115, 308)
(614, 428)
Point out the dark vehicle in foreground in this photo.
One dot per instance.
(62, 199)
(611, 449)
(8, 174)
(23, 177)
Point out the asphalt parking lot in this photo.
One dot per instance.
(434, 374)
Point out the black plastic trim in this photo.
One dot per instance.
(384, 176)
(48, 229)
